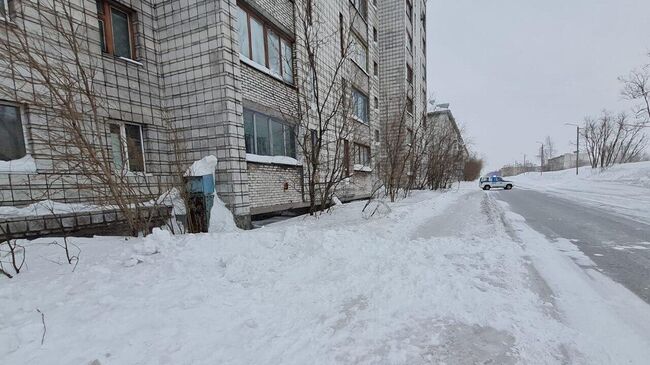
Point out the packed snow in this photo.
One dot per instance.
(278, 160)
(47, 207)
(26, 164)
(451, 278)
(205, 166)
(623, 189)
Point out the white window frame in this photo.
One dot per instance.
(354, 106)
(126, 168)
(267, 119)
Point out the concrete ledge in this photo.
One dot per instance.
(81, 224)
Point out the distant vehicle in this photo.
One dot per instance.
(489, 182)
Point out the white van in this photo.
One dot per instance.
(489, 182)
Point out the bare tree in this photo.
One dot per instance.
(611, 139)
(55, 73)
(399, 149)
(473, 167)
(323, 107)
(636, 87)
(549, 148)
(446, 155)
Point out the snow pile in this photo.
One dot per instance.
(441, 278)
(25, 164)
(622, 189)
(221, 218)
(278, 160)
(205, 166)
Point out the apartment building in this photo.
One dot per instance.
(403, 67)
(214, 77)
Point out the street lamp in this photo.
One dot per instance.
(577, 145)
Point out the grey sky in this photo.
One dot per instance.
(515, 71)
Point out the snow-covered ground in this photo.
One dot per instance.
(623, 189)
(451, 278)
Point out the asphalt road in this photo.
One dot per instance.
(620, 247)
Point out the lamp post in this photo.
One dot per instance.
(577, 145)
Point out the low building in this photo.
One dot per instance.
(566, 161)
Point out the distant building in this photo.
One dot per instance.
(566, 161)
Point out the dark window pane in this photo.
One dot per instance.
(102, 36)
(121, 36)
(249, 131)
(12, 140)
(242, 26)
(262, 135)
(134, 147)
(116, 147)
(290, 140)
(277, 133)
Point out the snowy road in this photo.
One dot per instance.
(619, 246)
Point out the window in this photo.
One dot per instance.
(375, 35)
(360, 105)
(375, 69)
(260, 43)
(376, 135)
(128, 147)
(359, 52)
(361, 155)
(424, 71)
(12, 139)
(409, 105)
(409, 10)
(409, 74)
(268, 136)
(5, 9)
(409, 43)
(115, 29)
(361, 6)
(376, 103)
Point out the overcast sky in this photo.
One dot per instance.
(515, 71)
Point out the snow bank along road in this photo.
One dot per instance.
(618, 245)
(451, 278)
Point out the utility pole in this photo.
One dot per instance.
(525, 164)
(577, 148)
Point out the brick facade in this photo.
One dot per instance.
(187, 73)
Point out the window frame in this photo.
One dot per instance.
(354, 106)
(124, 145)
(106, 31)
(358, 148)
(358, 41)
(22, 115)
(283, 42)
(268, 119)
